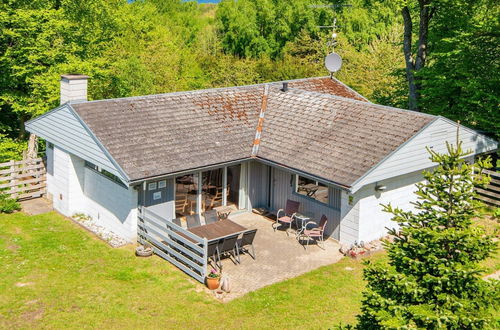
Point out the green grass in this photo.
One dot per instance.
(54, 274)
(491, 227)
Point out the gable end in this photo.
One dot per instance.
(63, 128)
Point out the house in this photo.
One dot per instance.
(311, 140)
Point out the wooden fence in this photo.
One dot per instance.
(173, 243)
(490, 195)
(23, 179)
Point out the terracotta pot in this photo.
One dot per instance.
(213, 282)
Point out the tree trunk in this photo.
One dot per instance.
(410, 64)
(414, 65)
(32, 147)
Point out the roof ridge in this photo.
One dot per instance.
(348, 99)
(214, 89)
(260, 123)
(350, 89)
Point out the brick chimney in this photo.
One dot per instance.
(73, 87)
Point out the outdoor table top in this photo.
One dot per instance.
(218, 229)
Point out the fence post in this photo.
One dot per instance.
(205, 257)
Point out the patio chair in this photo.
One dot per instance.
(211, 216)
(213, 252)
(181, 202)
(193, 221)
(246, 240)
(315, 232)
(229, 247)
(286, 216)
(212, 201)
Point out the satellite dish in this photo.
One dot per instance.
(333, 62)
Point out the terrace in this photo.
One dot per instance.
(279, 256)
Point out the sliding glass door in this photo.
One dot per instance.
(186, 195)
(198, 192)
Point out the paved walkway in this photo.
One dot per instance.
(36, 206)
(279, 257)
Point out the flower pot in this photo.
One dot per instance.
(143, 251)
(212, 283)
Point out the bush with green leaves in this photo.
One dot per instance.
(433, 279)
(11, 149)
(7, 204)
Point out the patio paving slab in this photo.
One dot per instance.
(36, 206)
(278, 257)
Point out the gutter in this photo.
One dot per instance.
(188, 171)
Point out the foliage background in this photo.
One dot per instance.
(157, 46)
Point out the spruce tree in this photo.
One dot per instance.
(433, 279)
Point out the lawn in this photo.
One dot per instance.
(55, 274)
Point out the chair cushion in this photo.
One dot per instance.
(285, 218)
(313, 233)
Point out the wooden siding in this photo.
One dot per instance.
(166, 204)
(63, 129)
(413, 156)
(259, 185)
(282, 189)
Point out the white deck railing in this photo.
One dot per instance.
(173, 243)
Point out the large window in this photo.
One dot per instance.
(186, 195)
(105, 173)
(312, 189)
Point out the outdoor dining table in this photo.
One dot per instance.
(218, 230)
(301, 221)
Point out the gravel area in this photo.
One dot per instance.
(105, 234)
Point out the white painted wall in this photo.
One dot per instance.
(349, 219)
(78, 189)
(114, 206)
(57, 184)
(365, 220)
(373, 221)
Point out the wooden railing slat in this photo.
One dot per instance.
(24, 182)
(21, 162)
(166, 239)
(23, 179)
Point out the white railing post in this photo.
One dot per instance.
(205, 256)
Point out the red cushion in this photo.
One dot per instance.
(285, 218)
(313, 233)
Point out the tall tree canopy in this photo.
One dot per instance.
(157, 46)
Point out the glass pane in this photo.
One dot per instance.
(312, 189)
(186, 191)
(212, 189)
(233, 185)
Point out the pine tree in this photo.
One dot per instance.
(433, 279)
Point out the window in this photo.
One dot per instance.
(312, 189)
(105, 173)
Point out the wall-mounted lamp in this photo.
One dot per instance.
(380, 187)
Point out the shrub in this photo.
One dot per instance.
(10, 149)
(7, 204)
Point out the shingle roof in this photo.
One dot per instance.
(332, 137)
(326, 85)
(328, 136)
(158, 134)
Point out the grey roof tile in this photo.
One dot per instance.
(330, 137)
(308, 128)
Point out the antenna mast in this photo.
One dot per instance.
(333, 61)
